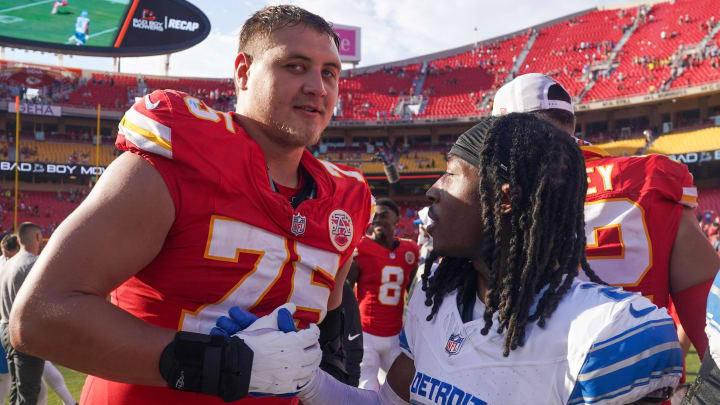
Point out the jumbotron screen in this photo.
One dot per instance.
(102, 27)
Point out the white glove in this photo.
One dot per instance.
(283, 362)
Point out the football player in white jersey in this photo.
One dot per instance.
(82, 29)
(502, 319)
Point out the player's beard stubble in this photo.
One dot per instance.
(285, 134)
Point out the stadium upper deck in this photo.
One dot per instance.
(628, 58)
(597, 54)
(624, 66)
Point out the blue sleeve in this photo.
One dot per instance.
(637, 353)
(712, 320)
(713, 308)
(404, 342)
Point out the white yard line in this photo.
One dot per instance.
(97, 34)
(37, 3)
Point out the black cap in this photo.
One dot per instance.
(470, 143)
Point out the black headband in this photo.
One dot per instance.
(468, 146)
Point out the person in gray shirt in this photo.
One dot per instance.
(9, 247)
(25, 370)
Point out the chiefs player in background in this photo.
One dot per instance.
(383, 267)
(639, 214)
(204, 211)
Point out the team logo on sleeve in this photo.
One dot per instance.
(454, 344)
(298, 224)
(409, 257)
(341, 229)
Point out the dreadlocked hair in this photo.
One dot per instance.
(536, 248)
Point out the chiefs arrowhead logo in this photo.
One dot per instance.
(341, 229)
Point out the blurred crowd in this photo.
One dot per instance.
(710, 225)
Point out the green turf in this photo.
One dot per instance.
(36, 23)
(692, 365)
(74, 382)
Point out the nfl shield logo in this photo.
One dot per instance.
(298, 225)
(454, 344)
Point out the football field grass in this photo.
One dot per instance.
(692, 365)
(75, 380)
(32, 20)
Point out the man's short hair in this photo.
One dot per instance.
(561, 118)
(26, 231)
(273, 18)
(386, 202)
(9, 242)
(536, 94)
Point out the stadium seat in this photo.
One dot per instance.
(633, 77)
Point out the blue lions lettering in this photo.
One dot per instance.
(441, 392)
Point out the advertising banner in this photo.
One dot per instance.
(349, 42)
(36, 109)
(51, 168)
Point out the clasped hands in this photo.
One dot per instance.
(284, 359)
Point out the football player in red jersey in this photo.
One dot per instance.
(383, 267)
(204, 211)
(639, 213)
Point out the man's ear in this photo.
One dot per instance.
(505, 206)
(242, 65)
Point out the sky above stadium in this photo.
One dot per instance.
(391, 30)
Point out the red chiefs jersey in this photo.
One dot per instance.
(632, 211)
(384, 275)
(234, 242)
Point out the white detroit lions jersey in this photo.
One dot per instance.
(81, 24)
(602, 345)
(712, 324)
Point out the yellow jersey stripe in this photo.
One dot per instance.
(689, 200)
(148, 124)
(145, 133)
(595, 149)
(143, 142)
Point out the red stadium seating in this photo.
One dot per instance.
(109, 90)
(406, 227)
(709, 200)
(456, 85)
(708, 70)
(51, 209)
(564, 49)
(375, 95)
(118, 91)
(646, 42)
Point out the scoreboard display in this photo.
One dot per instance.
(102, 27)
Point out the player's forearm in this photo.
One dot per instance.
(325, 390)
(88, 334)
(690, 307)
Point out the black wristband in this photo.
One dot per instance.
(213, 365)
(331, 342)
(332, 326)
